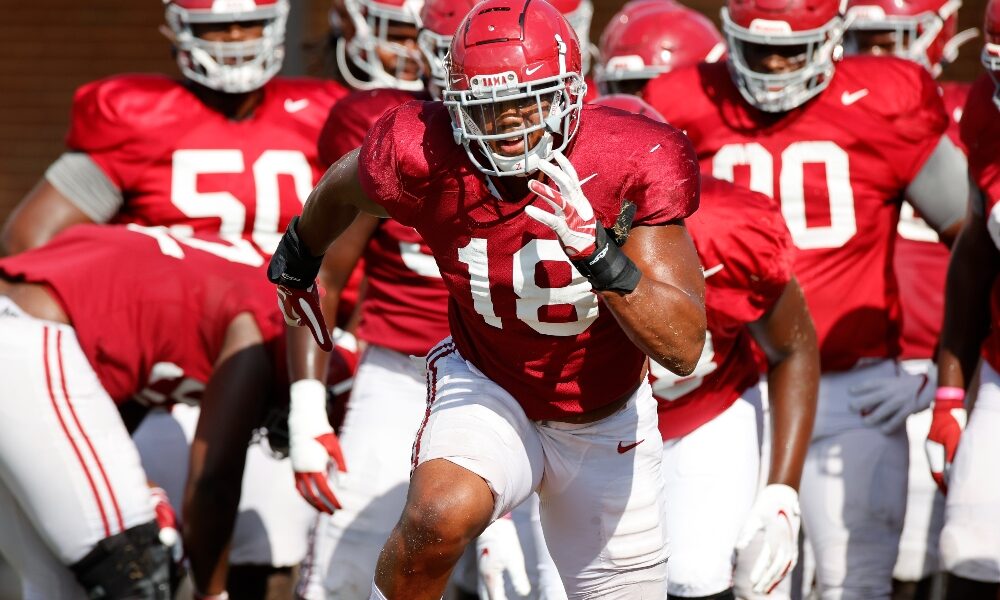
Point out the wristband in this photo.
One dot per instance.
(608, 268)
(292, 264)
(949, 395)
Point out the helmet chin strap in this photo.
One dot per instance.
(233, 80)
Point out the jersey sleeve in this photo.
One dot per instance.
(749, 245)
(343, 131)
(663, 178)
(919, 121)
(391, 166)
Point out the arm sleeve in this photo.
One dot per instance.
(78, 178)
(664, 182)
(940, 189)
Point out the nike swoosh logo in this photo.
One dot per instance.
(532, 71)
(849, 98)
(713, 270)
(623, 449)
(294, 106)
(586, 179)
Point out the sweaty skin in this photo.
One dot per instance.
(787, 335)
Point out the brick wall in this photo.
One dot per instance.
(49, 47)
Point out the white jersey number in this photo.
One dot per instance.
(843, 224)
(530, 296)
(188, 165)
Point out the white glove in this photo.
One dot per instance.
(885, 402)
(312, 445)
(569, 213)
(498, 551)
(775, 516)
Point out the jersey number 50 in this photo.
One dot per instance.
(791, 185)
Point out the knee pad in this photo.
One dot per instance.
(131, 565)
(723, 595)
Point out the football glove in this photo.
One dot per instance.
(947, 423)
(293, 269)
(585, 241)
(313, 445)
(885, 402)
(775, 516)
(498, 551)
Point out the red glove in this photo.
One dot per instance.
(301, 308)
(948, 421)
(166, 518)
(313, 445)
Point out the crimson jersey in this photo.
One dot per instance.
(838, 167)
(406, 303)
(981, 134)
(921, 260)
(180, 164)
(518, 309)
(149, 310)
(747, 262)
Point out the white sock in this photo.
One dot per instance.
(376, 593)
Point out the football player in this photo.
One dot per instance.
(970, 544)
(230, 151)
(710, 418)
(926, 33)
(649, 37)
(550, 318)
(837, 144)
(376, 43)
(170, 323)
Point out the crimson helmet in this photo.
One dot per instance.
(510, 50)
(991, 50)
(648, 38)
(815, 26)
(925, 31)
(579, 14)
(632, 104)
(439, 20)
(370, 21)
(231, 67)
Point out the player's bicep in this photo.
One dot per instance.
(787, 326)
(667, 254)
(940, 189)
(341, 184)
(42, 214)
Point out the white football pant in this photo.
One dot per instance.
(604, 474)
(970, 541)
(66, 458)
(710, 481)
(853, 492)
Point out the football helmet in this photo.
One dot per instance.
(439, 21)
(520, 58)
(370, 22)
(579, 14)
(925, 31)
(632, 104)
(811, 29)
(647, 38)
(991, 50)
(232, 67)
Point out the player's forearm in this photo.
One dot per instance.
(306, 360)
(792, 384)
(971, 272)
(665, 322)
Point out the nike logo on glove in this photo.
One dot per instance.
(622, 449)
(849, 98)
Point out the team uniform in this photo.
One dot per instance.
(970, 540)
(838, 166)
(177, 163)
(710, 420)
(404, 314)
(527, 332)
(65, 382)
(921, 264)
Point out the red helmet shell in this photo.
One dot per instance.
(444, 16)
(632, 104)
(783, 16)
(991, 23)
(512, 36)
